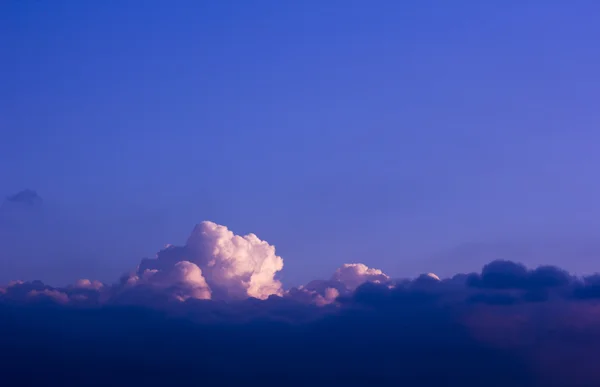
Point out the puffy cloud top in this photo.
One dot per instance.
(344, 281)
(87, 284)
(182, 280)
(355, 274)
(216, 262)
(503, 274)
(432, 276)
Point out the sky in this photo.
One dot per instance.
(385, 132)
(315, 192)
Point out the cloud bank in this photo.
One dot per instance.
(216, 264)
(215, 306)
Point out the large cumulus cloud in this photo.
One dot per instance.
(214, 263)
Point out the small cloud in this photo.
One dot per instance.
(87, 284)
(355, 274)
(27, 197)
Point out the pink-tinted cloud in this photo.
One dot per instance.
(88, 284)
(54, 294)
(214, 262)
(355, 274)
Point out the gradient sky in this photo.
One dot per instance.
(340, 131)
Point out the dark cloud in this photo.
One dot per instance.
(494, 298)
(589, 288)
(421, 332)
(503, 274)
(212, 312)
(128, 346)
(582, 252)
(27, 197)
(21, 207)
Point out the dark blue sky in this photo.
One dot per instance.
(373, 131)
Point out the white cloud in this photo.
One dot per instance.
(355, 274)
(215, 261)
(245, 265)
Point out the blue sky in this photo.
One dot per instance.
(340, 131)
